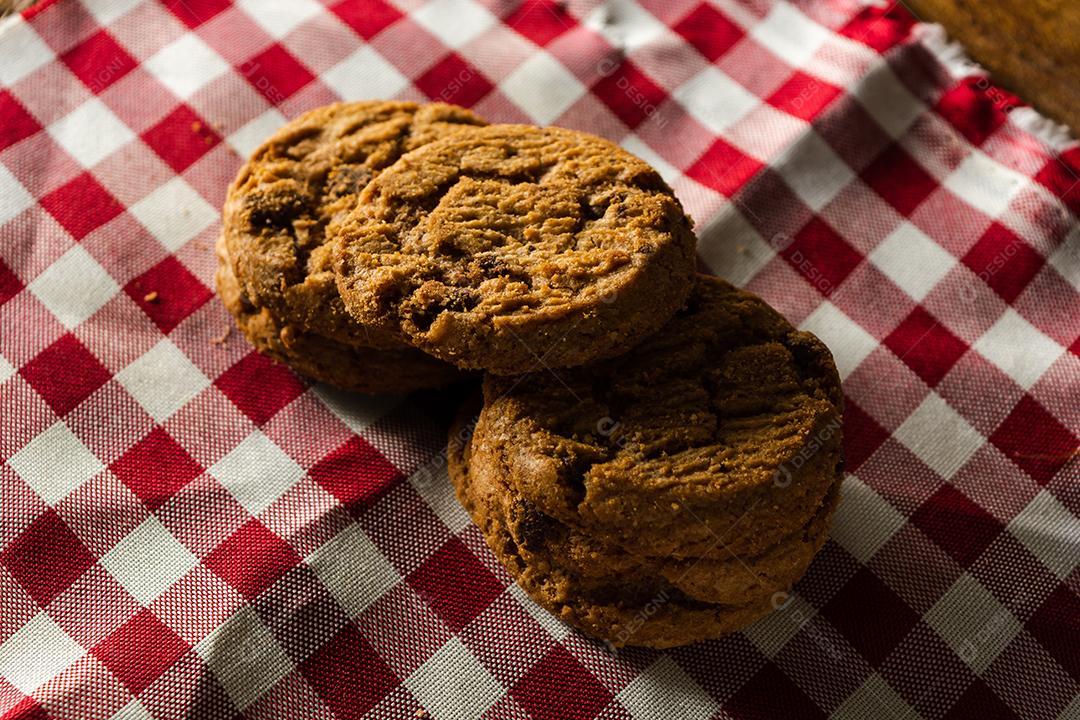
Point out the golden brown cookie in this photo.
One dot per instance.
(619, 597)
(719, 434)
(513, 247)
(287, 199)
(350, 367)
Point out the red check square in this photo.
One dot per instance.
(99, 61)
(975, 108)
(168, 293)
(724, 168)
(46, 558)
(140, 650)
(1003, 261)
(367, 17)
(1034, 439)
(194, 13)
(276, 74)
(252, 559)
(181, 138)
(803, 96)
(541, 20)
(822, 256)
(560, 687)
(769, 694)
(1056, 624)
(348, 674)
(926, 346)
(454, 583)
(65, 374)
(18, 124)
(957, 524)
(712, 33)
(355, 473)
(899, 180)
(453, 80)
(259, 387)
(630, 93)
(155, 468)
(82, 205)
(857, 609)
(10, 284)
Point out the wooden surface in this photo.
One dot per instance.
(1030, 47)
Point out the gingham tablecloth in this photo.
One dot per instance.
(187, 530)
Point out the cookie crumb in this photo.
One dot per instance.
(151, 297)
(196, 126)
(223, 337)
(421, 713)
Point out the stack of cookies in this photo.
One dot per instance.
(655, 455)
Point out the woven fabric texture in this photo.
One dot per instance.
(189, 531)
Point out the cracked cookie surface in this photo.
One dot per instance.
(514, 247)
(288, 199)
(349, 367)
(719, 434)
(614, 595)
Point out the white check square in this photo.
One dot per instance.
(849, 343)
(365, 75)
(664, 690)
(162, 380)
(105, 11)
(245, 140)
(542, 87)
(36, 653)
(626, 25)
(715, 100)
(985, 184)
(887, 100)
(353, 570)
(912, 260)
(280, 17)
(455, 22)
(1018, 348)
(972, 621)
(14, 198)
(453, 684)
(813, 170)
(74, 287)
(731, 246)
(174, 213)
(55, 463)
(22, 49)
(790, 35)
(1050, 532)
(148, 561)
(90, 133)
(186, 65)
(244, 657)
(257, 472)
(874, 699)
(939, 436)
(864, 520)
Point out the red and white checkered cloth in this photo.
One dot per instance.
(187, 530)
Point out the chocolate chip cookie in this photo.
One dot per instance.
(719, 434)
(350, 367)
(512, 247)
(299, 184)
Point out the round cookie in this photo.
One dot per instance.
(719, 434)
(513, 247)
(616, 597)
(287, 199)
(350, 367)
